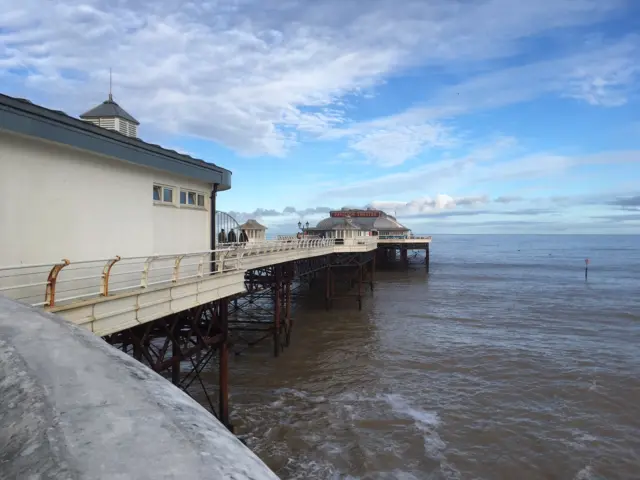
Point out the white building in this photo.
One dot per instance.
(254, 230)
(76, 190)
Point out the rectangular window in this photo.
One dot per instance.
(163, 194)
(191, 198)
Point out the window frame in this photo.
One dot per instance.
(162, 192)
(192, 195)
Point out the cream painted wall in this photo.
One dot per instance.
(60, 202)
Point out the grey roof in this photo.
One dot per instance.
(339, 223)
(23, 117)
(384, 222)
(108, 109)
(252, 225)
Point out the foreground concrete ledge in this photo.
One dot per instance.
(73, 407)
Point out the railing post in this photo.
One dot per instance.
(50, 292)
(201, 265)
(106, 270)
(144, 281)
(176, 268)
(239, 260)
(220, 263)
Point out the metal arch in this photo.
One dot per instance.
(226, 221)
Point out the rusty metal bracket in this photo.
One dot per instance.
(104, 289)
(50, 293)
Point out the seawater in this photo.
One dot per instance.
(502, 363)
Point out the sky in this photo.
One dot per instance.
(457, 116)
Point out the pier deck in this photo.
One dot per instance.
(107, 296)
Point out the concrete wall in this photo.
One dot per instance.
(59, 202)
(74, 407)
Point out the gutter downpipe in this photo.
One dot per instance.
(214, 194)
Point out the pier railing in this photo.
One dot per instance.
(404, 237)
(58, 283)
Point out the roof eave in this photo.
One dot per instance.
(25, 118)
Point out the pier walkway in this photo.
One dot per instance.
(110, 295)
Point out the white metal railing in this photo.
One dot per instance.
(280, 245)
(367, 241)
(404, 237)
(57, 283)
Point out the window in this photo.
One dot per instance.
(190, 198)
(162, 194)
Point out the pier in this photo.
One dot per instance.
(172, 311)
(88, 263)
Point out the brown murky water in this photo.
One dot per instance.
(502, 364)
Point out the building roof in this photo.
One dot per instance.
(341, 223)
(252, 225)
(383, 222)
(109, 109)
(23, 117)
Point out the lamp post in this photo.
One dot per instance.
(306, 226)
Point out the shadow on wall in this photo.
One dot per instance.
(75, 407)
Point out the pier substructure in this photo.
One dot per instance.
(181, 345)
(352, 271)
(265, 311)
(403, 254)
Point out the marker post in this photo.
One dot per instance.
(586, 268)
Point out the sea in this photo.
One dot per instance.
(502, 362)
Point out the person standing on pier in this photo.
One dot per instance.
(232, 236)
(243, 237)
(222, 236)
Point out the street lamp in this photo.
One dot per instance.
(306, 225)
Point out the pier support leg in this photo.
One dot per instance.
(426, 257)
(277, 303)
(404, 256)
(372, 275)
(287, 315)
(360, 275)
(223, 407)
(328, 292)
(176, 356)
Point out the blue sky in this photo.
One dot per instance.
(474, 116)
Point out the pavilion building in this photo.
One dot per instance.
(352, 223)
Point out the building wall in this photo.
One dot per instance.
(256, 235)
(60, 202)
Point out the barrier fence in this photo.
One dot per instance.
(65, 281)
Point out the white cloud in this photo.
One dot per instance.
(486, 165)
(259, 76)
(393, 146)
(604, 75)
(427, 204)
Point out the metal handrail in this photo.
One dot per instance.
(56, 283)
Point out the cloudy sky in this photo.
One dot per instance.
(461, 116)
